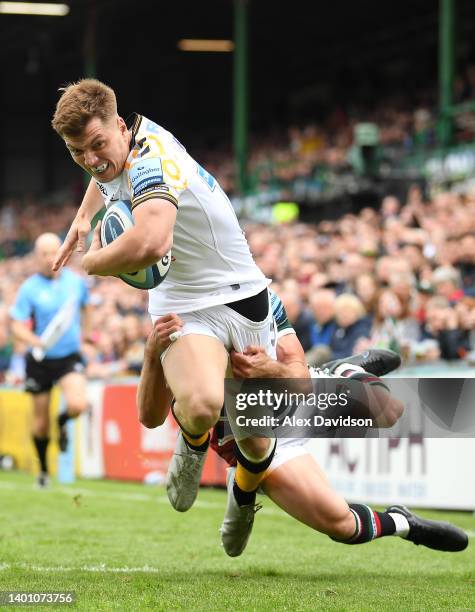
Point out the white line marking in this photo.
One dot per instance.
(84, 568)
(153, 498)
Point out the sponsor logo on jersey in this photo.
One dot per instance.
(151, 187)
(146, 186)
(146, 169)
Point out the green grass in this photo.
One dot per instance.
(120, 546)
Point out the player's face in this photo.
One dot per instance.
(102, 148)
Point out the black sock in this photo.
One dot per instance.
(243, 498)
(63, 418)
(250, 473)
(370, 525)
(41, 445)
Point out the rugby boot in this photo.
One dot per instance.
(437, 535)
(184, 475)
(238, 521)
(375, 361)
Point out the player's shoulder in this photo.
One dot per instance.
(151, 139)
(158, 165)
(147, 149)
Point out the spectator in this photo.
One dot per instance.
(366, 289)
(352, 324)
(403, 284)
(465, 310)
(135, 344)
(390, 330)
(465, 262)
(322, 306)
(447, 283)
(300, 318)
(442, 324)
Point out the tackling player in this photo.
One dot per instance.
(54, 302)
(213, 282)
(294, 480)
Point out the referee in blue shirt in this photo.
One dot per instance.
(47, 316)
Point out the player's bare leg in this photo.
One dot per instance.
(73, 387)
(40, 432)
(301, 489)
(195, 367)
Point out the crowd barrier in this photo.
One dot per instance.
(111, 443)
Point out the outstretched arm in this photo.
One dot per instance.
(153, 395)
(81, 226)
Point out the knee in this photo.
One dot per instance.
(76, 407)
(255, 448)
(198, 412)
(203, 416)
(41, 428)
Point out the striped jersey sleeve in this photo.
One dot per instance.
(282, 322)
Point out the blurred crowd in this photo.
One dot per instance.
(401, 277)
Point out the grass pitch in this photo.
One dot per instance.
(121, 546)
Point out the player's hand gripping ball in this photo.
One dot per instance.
(117, 220)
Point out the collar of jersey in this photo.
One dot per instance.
(133, 122)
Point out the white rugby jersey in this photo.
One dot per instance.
(211, 260)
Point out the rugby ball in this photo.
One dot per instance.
(117, 220)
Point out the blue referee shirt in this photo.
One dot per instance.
(40, 298)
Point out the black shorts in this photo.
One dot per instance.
(254, 308)
(42, 375)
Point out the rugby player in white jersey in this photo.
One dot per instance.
(294, 480)
(213, 282)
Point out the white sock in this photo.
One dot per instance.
(402, 526)
(347, 367)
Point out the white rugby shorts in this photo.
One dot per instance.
(287, 449)
(229, 327)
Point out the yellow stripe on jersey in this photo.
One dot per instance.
(171, 168)
(154, 195)
(158, 142)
